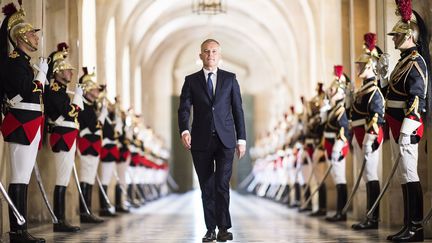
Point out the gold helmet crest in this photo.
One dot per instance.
(88, 81)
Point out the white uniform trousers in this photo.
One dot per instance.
(407, 168)
(22, 159)
(107, 171)
(64, 161)
(88, 169)
(372, 160)
(338, 171)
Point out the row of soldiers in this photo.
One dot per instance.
(303, 148)
(82, 122)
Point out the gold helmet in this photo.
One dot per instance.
(370, 53)
(88, 81)
(407, 25)
(59, 58)
(340, 80)
(16, 25)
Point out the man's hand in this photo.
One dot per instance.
(240, 150)
(186, 140)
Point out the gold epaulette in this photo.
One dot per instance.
(55, 86)
(14, 54)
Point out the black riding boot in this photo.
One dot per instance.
(406, 212)
(341, 201)
(306, 196)
(414, 231)
(104, 206)
(118, 200)
(84, 216)
(59, 211)
(322, 202)
(19, 233)
(296, 196)
(372, 192)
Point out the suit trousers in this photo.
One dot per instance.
(214, 168)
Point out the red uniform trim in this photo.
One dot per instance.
(394, 126)
(114, 151)
(135, 160)
(10, 124)
(83, 144)
(69, 138)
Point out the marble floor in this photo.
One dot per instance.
(179, 218)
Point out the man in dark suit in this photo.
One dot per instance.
(218, 129)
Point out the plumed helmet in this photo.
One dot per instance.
(59, 58)
(407, 25)
(88, 81)
(371, 52)
(16, 25)
(339, 80)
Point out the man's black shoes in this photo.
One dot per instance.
(210, 236)
(223, 235)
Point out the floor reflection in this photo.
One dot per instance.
(179, 218)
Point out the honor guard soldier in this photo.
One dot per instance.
(134, 147)
(123, 163)
(405, 105)
(23, 122)
(89, 142)
(316, 111)
(109, 155)
(367, 119)
(62, 114)
(336, 140)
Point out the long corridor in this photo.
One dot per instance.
(178, 218)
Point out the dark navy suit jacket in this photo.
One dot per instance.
(225, 109)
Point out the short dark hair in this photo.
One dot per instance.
(208, 41)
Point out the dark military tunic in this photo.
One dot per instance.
(406, 93)
(314, 126)
(124, 144)
(367, 113)
(63, 117)
(135, 148)
(110, 151)
(336, 127)
(25, 114)
(90, 135)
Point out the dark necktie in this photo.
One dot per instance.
(210, 85)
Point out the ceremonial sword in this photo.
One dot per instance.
(43, 192)
(355, 187)
(20, 219)
(110, 206)
(386, 185)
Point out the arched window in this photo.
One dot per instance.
(125, 98)
(110, 60)
(88, 25)
(137, 91)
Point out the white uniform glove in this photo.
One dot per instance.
(78, 98)
(337, 150)
(368, 141)
(103, 114)
(42, 67)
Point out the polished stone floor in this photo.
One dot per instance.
(178, 219)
